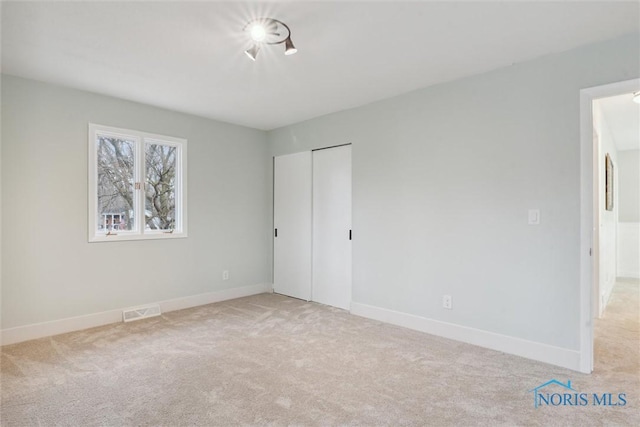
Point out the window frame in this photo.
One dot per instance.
(140, 140)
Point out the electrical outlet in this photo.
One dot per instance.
(447, 302)
(225, 275)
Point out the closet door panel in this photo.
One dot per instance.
(332, 226)
(293, 225)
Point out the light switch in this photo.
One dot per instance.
(534, 216)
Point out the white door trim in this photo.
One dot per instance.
(587, 198)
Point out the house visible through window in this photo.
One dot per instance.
(111, 221)
(137, 185)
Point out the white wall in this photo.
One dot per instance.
(629, 185)
(442, 181)
(629, 213)
(51, 272)
(608, 220)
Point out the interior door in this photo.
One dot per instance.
(292, 225)
(332, 226)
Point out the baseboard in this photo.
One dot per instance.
(628, 275)
(211, 297)
(606, 295)
(529, 349)
(56, 327)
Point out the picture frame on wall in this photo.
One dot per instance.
(608, 182)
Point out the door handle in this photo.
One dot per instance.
(349, 234)
(276, 233)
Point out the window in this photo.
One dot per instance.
(137, 185)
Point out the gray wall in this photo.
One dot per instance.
(442, 181)
(629, 185)
(51, 272)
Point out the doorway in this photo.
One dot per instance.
(598, 258)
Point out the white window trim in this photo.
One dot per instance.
(181, 185)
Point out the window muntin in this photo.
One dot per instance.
(137, 185)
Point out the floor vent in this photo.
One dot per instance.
(138, 313)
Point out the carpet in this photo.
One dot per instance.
(272, 360)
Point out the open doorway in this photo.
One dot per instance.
(610, 229)
(616, 125)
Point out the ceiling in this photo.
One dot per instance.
(188, 56)
(622, 116)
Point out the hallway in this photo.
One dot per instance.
(617, 336)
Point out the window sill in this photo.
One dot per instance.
(100, 238)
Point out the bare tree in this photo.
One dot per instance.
(116, 182)
(160, 201)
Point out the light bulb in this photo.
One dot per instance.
(258, 33)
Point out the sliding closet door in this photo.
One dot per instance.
(332, 226)
(292, 225)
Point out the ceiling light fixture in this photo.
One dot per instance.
(271, 32)
(258, 33)
(252, 52)
(636, 97)
(289, 48)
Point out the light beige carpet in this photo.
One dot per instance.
(272, 360)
